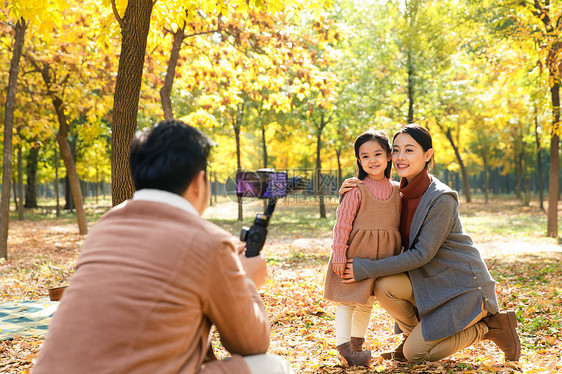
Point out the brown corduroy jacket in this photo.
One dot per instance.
(150, 281)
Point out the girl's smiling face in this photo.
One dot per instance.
(408, 156)
(373, 159)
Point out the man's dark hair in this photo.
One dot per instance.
(168, 155)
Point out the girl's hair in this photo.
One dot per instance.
(376, 136)
(420, 135)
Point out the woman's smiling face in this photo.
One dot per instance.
(408, 156)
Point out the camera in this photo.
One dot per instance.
(262, 184)
(255, 235)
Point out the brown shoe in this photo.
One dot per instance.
(352, 358)
(357, 344)
(397, 354)
(502, 332)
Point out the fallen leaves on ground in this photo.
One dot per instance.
(43, 254)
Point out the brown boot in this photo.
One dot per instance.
(502, 332)
(352, 358)
(397, 354)
(357, 344)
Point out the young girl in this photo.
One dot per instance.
(367, 223)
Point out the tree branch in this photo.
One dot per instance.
(202, 33)
(116, 13)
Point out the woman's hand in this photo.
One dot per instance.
(348, 272)
(339, 269)
(349, 184)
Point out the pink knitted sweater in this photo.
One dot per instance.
(345, 214)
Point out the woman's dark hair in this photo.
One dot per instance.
(376, 136)
(420, 135)
(168, 155)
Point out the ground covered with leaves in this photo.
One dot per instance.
(525, 265)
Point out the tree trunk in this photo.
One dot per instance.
(410, 88)
(31, 186)
(236, 125)
(263, 142)
(68, 200)
(15, 190)
(166, 90)
(486, 176)
(57, 193)
(264, 147)
(66, 154)
(518, 168)
(466, 183)
(338, 158)
(8, 128)
(20, 184)
(539, 161)
(134, 29)
(554, 169)
(215, 187)
(553, 64)
(319, 184)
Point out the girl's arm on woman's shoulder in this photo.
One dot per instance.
(434, 230)
(345, 214)
(349, 185)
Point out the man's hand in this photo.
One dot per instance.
(338, 269)
(241, 248)
(348, 272)
(255, 268)
(349, 184)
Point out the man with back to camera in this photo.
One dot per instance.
(153, 276)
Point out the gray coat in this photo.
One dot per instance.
(449, 278)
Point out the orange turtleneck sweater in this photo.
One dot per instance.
(411, 196)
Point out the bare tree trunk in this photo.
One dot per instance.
(554, 169)
(8, 128)
(15, 190)
(57, 193)
(20, 183)
(410, 88)
(236, 125)
(338, 158)
(539, 161)
(319, 184)
(263, 142)
(518, 168)
(135, 25)
(166, 90)
(486, 176)
(66, 154)
(31, 173)
(466, 183)
(215, 187)
(68, 200)
(553, 63)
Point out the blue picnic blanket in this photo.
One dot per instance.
(26, 318)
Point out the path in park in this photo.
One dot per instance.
(497, 248)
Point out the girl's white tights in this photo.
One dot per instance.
(352, 320)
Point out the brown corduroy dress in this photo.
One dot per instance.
(374, 235)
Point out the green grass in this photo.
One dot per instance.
(503, 218)
(46, 210)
